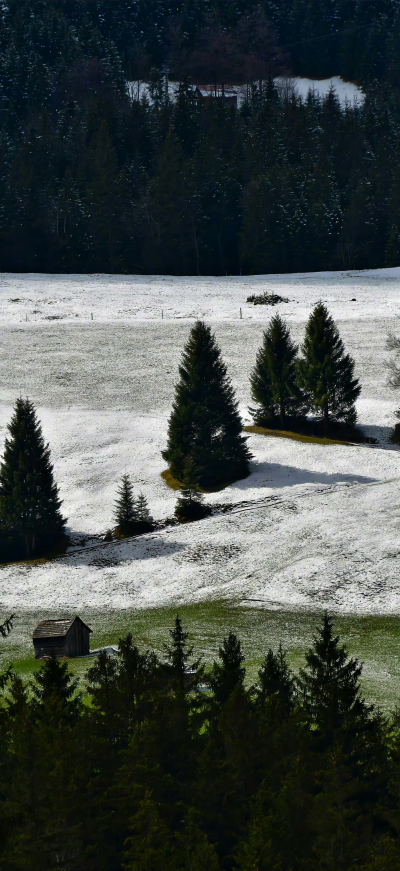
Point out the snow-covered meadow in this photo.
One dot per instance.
(313, 526)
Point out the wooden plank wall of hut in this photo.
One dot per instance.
(77, 639)
(49, 646)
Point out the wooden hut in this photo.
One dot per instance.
(65, 637)
(209, 92)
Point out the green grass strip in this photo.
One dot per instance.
(294, 436)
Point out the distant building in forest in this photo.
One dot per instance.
(64, 637)
(208, 92)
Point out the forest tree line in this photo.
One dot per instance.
(91, 180)
(164, 766)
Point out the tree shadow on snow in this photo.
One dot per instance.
(273, 476)
(381, 433)
(113, 553)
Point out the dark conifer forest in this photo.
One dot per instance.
(154, 764)
(94, 181)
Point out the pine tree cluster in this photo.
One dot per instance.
(132, 516)
(93, 181)
(287, 386)
(206, 448)
(296, 772)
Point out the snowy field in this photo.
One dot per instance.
(312, 527)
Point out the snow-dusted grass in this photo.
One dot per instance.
(374, 639)
(313, 526)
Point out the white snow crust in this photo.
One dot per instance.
(313, 526)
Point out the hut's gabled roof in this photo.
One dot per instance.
(55, 628)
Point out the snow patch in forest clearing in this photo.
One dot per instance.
(311, 526)
(346, 92)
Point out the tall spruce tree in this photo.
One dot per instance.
(178, 654)
(330, 682)
(229, 672)
(276, 679)
(29, 499)
(205, 424)
(326, 372)
(274, 379)
(125, 514)
(53, 687)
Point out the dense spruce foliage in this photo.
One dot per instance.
(131, 514)
(30, 516)
(326, 372)
(154, 774)
(91, 180)
(287, 386)
(190, 505)
(273, 381)
(205, 437)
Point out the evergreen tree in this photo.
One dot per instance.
(190, 504)
(325, 372)
(104, 205)
(205, 424)
(29, 500)
(132, 516)
(199, 854)
(126, 515)
(102, 686)
(330, 682)
(136, 680)
(342, 825)
(275, 679)
(150, 845)
(55, 691)
(229, 672)
(178, 655)
(274, 378)
(143, 514)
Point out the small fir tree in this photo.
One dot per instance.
(190, 505)
(274, 378)
(143, 514)
(29, 498)
(325, 372)
(205, 424)
(126, 516)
